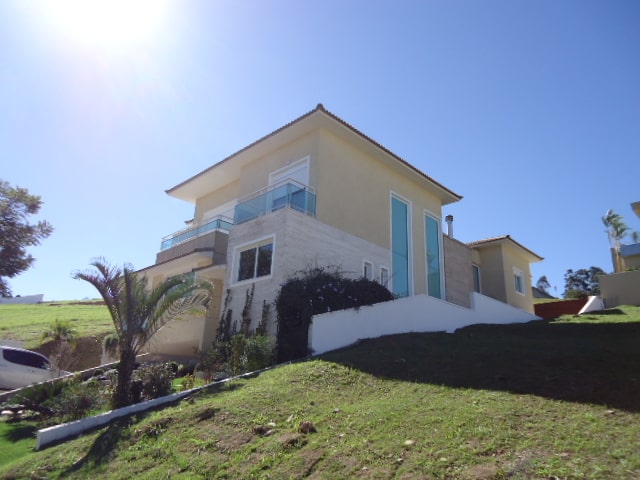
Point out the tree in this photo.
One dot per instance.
(616, 228)
(582, 283)
(138, 312)
(543, 284)
(16, 234)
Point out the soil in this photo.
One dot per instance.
(86, 354)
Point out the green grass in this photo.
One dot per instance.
(540, 400)
(26, 323)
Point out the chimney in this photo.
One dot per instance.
(449, 220)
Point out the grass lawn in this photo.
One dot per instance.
(540, 400)
(26, 323)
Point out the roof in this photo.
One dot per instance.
(489, 242)
(319, 110)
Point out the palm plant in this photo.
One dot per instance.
(138, 312)
(616, 228)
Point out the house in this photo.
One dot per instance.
(623, 286)
(317, 192)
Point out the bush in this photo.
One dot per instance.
(259, 352)
(316, 291)
(151, 381)
(78, 400)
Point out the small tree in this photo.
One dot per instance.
(62, 334)
(16, 204)
(139, 312)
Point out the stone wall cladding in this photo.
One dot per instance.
(301, 242)
(457, 271)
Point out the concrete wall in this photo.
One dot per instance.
(300, 242)
(419, 313)
(457, 270)
(620, 288)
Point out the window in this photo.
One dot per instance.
(367, 270)
(476, 278)
(255, 262)
(400, 260)
(432, 245)
(384, 277)
(518, 280)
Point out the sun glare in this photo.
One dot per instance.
(108, 24)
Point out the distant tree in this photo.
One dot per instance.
(16, 234)
(582, 283)
(543, 284)
(138, 311)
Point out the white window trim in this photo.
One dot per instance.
(519, 273)
(293, 165)
(409, 235)
(438, 219)
(245, 246)
(364, 269)
(388, 270)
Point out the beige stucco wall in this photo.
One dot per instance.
(512, 257)
(458, 274)
(354, 195)
(620, 288)
(255, 175)
(492, 272)
(216, 199)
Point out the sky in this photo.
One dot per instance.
(528, 109)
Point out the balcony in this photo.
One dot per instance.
(222, 224)
(290, 194)
(207, 239)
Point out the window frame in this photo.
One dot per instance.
(409, 231)
(438, 223)
(476, 273)
(253, 245)
(368, 263)
(519, 275)
(384, 283)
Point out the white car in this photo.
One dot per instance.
(19, 368)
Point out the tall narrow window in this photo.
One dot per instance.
(367, 270)
(518, 280)
(476, 278)
(400, 247)
(434, 270)
(384, 277)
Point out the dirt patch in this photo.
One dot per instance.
(87, 353)
(484, 471)
(233, 442)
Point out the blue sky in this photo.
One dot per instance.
(529, 109)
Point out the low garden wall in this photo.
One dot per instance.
(420, 313)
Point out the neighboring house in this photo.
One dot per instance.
(316, 193)
(539, 293)
(623, 286)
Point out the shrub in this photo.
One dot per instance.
(237, 358)
(315, 291)
(151, 381)
(259, 352)
(77, 400)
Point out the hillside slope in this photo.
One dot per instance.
(541, 400)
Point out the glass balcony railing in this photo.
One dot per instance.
(285, 195)
(222, 224)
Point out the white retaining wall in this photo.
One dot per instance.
(420, 313)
